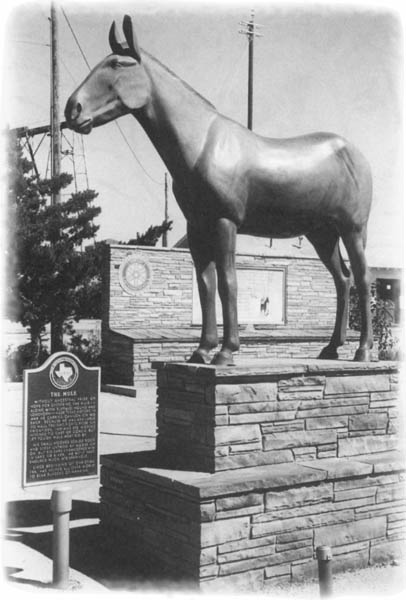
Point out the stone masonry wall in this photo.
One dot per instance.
(155, 322)
(128, 362)
(167, 300)
(210, 420)
(305, 453)
(262, 528)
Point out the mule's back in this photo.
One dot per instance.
(283, 187)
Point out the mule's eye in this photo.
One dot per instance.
(115, 63)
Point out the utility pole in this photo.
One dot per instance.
(250, 30)
(165, 234)
(56, 324)
(55, 123)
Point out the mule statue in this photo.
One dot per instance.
(228, 180)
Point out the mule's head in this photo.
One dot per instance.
(117, 86)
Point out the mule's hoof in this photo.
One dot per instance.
(328, 353)
(222, 359)
(362, 355)
(199, 357)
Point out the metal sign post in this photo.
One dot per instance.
(61, 505)
(324, 557)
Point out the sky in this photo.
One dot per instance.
(328, 66)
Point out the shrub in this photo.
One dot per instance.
(88, 350)
(382, 319)
(22, 357)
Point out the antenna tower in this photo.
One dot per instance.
(75, 153)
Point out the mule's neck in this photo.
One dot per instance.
(176, 118)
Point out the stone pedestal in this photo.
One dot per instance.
(258, 465)
(243, 416)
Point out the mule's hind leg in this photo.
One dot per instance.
(355, 245)
(327, 246)
(225, 243)
(202, 251)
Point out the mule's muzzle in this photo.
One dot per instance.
(74, 117)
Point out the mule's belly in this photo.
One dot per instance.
(294, 204)
(277, 227)
(269, 222)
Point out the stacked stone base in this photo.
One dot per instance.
(327, 472)
(260, 413)
(258, 528)
(127, 357)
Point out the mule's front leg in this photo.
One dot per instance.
(202, 252)
(225, 243)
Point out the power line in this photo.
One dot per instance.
(68, 70)
(74, 80)
(160, 183)
(135, 156)
(31, 43)
(225, 87)
(76, 39)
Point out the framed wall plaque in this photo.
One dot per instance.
(261, 296)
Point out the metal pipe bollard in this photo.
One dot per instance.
(61, 505)
(324, 556)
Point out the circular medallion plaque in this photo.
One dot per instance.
(134, 275)
(63, 373)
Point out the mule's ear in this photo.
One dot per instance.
(114, 44)
(133, 48)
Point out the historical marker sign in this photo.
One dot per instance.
(61, 421)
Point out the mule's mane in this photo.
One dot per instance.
(186, 85)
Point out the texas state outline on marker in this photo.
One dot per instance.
(65, 372)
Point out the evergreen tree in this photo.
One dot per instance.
(151, 236)
(49, 278)
(44, 261)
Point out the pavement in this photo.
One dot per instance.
(126, 424)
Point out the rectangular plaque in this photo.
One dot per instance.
(261, 297)
(61, 421)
